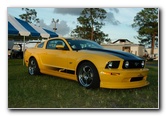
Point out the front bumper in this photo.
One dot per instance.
(123, 78)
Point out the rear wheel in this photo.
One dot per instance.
(33, 68)
(87, 75)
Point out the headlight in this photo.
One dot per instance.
(126, 64)
(133, 64)
(112, 64)
(143, 63)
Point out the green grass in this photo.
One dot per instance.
(43, 91)
(154, 62)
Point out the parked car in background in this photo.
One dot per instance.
(10, 46)
(86, 62)
(16, 51)
(31, 43)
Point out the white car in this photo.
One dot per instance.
(31, 43)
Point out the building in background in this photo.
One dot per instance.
(127, 46)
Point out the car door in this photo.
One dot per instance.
(55, 58)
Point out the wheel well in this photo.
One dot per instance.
(32, 57)
(36, 69)
(82, 63)
(97, 76)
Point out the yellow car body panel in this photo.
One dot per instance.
(58, 62)
(121, 79)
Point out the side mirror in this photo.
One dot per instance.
(60, 47)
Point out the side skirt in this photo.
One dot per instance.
(60, 72)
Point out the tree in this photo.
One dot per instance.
(146, 21)
(90, 25)
(30, 16)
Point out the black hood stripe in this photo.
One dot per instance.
(118, 53)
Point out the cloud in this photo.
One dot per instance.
(76, 12)
(126, 15)
(44, 25)
(114, 9)
(62, 27)
(111, 18)
(70, 11)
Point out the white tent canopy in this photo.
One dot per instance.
(42, 32)
(19, 27)
(22, 31)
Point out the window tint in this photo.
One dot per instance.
(52, 44)
(82, 44)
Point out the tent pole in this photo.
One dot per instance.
(23, 50)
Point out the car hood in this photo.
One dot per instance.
(118, 53)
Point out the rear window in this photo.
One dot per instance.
(40, 45)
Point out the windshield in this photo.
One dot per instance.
(77, 44)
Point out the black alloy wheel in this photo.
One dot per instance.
(33, 68)
(87, 75)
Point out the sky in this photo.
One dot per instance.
(117, 23)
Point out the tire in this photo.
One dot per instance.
(33, 68)
(88, 76)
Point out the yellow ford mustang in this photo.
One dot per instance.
(86, 62)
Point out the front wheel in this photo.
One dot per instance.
(87, 75)
(33, 68)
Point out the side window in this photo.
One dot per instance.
(41, 45)
(52, 44)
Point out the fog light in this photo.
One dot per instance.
(142, 63)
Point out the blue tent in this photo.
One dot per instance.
(20, 27)
(12, 30)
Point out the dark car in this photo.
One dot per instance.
(17, 52)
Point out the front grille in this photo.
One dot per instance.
(133, 79)
(133, 64)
